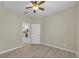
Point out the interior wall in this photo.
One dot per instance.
(10, 28)
(60, 29)
(78, 30)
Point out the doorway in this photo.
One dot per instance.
(30, 33)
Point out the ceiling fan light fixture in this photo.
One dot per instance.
(36, 7)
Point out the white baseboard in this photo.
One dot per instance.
(60, 48)
(40, 43)
(11, 49)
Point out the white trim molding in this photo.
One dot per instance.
(60, 48)
(12, 49)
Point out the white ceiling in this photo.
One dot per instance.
(49, 6)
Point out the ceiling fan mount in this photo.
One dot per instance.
(36, 5)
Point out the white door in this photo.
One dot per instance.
(35, 33)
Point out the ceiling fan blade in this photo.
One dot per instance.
(35, 2)
(32, 2)
(34, 11)
(41, 2)
(28, 7)
(41, 8)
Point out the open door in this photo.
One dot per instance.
(26, 33)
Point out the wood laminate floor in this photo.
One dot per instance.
(38, 51)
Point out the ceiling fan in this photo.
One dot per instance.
(36, 5)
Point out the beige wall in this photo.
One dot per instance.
(78, 30)
(78, 27)
(10, 28)
(60, 29)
